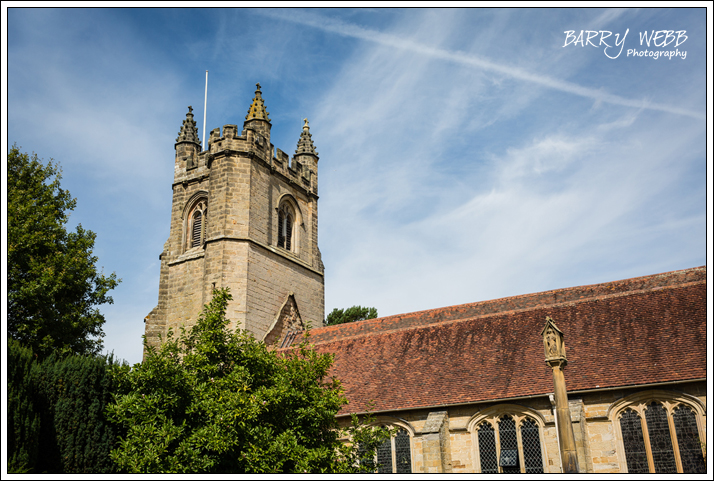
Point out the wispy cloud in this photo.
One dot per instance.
(445, 176)
(336, 26)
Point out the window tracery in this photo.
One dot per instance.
(660, 432)
(507, 441)
(394, 455)
(286, 226)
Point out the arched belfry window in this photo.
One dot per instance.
(507, 442)
(660, 432)
(286, 226)
(196, 224)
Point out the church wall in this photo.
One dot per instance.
(185, 292)
(229, 197)
(271, 278)
(266, 191)
(230, 269)
(599, 449)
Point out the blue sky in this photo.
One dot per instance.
(465, 154)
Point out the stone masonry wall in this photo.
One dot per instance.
(239, 250)
(596, 442)
(271, 278)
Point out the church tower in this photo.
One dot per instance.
(244, 216)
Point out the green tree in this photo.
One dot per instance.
(57, 412)
(351, 314)
(23, 416)
(218, 401)
(53, 286)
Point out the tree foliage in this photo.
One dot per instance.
(57, 412)
(23, 417)
(52, 282)
(217, 401)
(351, 314)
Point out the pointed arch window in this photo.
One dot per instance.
(394, 455)
(508, 443)
(660, 435)
(286, 227)
(196, 225)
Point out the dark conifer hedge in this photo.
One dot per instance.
(56, 413)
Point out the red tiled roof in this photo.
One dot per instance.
(637, 331)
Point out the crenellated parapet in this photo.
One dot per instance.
(243, 216)
(254, 142)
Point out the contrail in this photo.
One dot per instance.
(349, 30)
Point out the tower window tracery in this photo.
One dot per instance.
(286, 226)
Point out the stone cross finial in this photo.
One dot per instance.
(306, 126)
(190, 109)
(258, 85)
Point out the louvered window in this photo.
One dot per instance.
(196, 225)
(656, 453)
(288, 231)
(281, 228)
(499, 449)
(286, 219)
(196, 229)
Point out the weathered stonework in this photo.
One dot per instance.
(243, 179)
(446, 440)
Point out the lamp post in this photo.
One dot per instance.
(555, 358)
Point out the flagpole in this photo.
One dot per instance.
(205, 100)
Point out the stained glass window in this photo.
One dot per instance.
(384, 457)
(690, 447)
(402, 448)
(660, 439)
(635, 452)
(658, 444)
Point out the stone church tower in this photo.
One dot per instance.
(244, 216)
